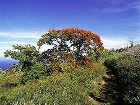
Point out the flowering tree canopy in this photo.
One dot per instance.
(71, 41)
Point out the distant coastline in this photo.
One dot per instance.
(5, 63)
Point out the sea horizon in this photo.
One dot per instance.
(6, 63)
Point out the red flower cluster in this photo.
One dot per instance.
(70, 33)
(81, 40)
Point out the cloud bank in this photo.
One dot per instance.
(115, 43)
(31, 38)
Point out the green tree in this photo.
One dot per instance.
(27, 55)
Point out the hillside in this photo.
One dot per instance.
(78, 70)
(68, 88)
(82, 86)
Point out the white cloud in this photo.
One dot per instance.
(119, 42)
(9, 47)
(45, 47)
(14, 42)
(34, 35)
(4, 45)
(114, 42)
(108, 42)
(7, 39)
(1, 55)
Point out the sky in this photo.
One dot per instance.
(23, 21)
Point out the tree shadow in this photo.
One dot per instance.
(113, 88)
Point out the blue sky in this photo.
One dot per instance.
(24, 21)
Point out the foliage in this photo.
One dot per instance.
(27, 55)
(69, 88)
(36, 72)
(72, 43)
(9, 80)
(126, 70)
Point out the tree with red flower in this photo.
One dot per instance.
(71, 44)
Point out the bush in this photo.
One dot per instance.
(126, 70)
(36, 71)
(68, 88)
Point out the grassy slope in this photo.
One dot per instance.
(69, 88)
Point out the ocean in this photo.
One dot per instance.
(5, 63)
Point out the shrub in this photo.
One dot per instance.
(126, 70)
(69, 88)
(36, 71)
(10, 80)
